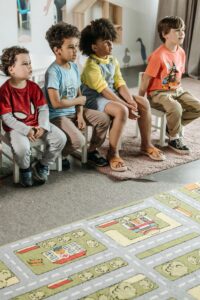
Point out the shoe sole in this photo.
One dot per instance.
(179, 151)
(97, 165)
(26, 185)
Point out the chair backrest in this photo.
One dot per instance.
(140, 78)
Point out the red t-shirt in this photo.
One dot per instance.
(22, 103)
(166, 68)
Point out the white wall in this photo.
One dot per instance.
(8, 23)
(139, 19)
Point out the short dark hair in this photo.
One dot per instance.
(8, 57)
(168, 23)
(98, 29)
(56, 34)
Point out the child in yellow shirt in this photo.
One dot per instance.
(106, 91)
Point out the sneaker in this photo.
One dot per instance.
(65, 164)
(40, 172)
(26, 177)
(95, 158)
(178, 146)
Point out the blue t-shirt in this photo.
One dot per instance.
(66, 82)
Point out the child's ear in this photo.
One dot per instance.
(56, 50)
(94, 48)
(164, 35)
(11, 70)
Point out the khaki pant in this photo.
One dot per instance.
(75, 139)
(180, 106)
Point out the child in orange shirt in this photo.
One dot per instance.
(162, 82)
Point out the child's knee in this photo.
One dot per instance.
(62, 139)
(123, 112)
(143, 104)
(176, 109)
(22, 150)
(78, 141)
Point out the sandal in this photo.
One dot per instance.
(154, 153)
(117, 164)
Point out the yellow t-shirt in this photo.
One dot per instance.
(93, 77)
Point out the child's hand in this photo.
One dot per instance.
(133, 104)
(133, 115)
(80, 122)
(81, 100)
(39, 132)
(31, 135)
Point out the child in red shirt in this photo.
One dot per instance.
(25, 116)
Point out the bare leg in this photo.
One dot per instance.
(144, 122)
(119, 113)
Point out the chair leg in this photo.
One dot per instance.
(120, 144)
(59, 163)
(162, 131)
(15, 172)
(157, 121)
(137, 131)
(1, 155)
(84, 149)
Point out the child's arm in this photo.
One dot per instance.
(43, 121)
(79, 109)
(144, 84)
(56, 102)
(10, 121)
(126, 95)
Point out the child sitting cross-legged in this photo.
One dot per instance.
(62, 90)
(106, 91)
(25, 116)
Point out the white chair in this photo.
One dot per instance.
(159, 121)
(36, 148)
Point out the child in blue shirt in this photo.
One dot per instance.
(62, 90)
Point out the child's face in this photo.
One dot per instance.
(21, 69)
(175, 36)
(102, 48)
(68, 50)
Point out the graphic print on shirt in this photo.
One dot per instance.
(23, 116)
(69, 92)
(171, 81)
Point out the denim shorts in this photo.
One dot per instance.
(101, 103)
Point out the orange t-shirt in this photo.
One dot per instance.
(166, 68)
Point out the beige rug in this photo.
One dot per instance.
(140, 165)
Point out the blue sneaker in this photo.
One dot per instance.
(40, 172)
(26, 177)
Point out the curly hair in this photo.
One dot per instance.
(98, 29)
(56, 34)
(8, 57)
(168, 23)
